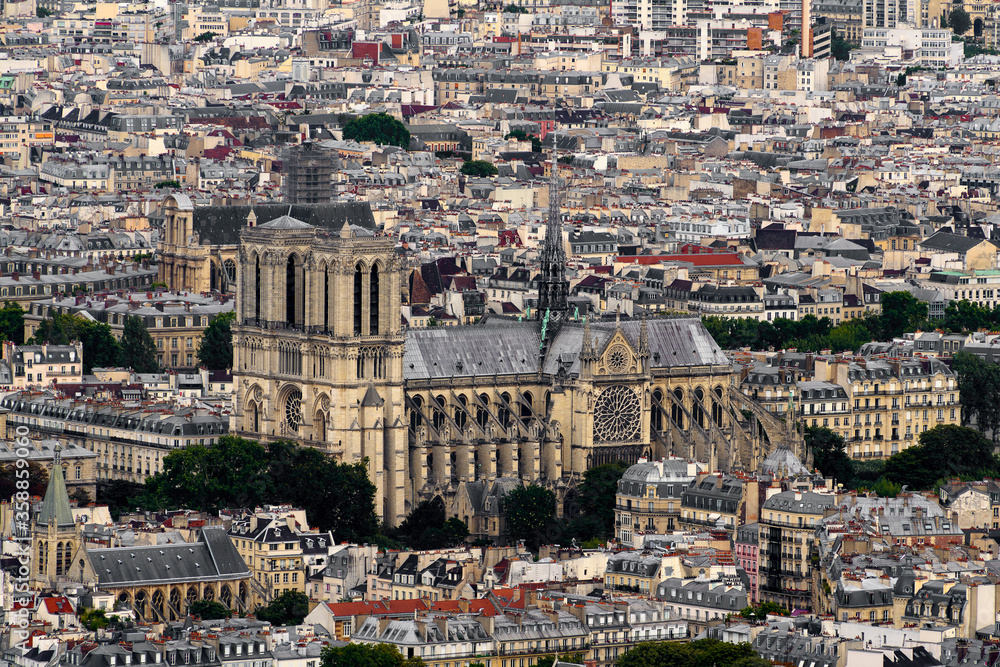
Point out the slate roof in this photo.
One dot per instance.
(213, 557)
(221, 225)
(946, 242)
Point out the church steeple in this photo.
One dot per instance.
(55, 506)
(553, 289)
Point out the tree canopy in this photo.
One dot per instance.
(944, 451)
(216, 348)
(208, 610)
(479, 168)
(701, 653)
(100, 349)
(138, 348)
(38, 480)
(530, 512)
(959, 21)
(979, 392)
(901, 312)
(427, 527)
(521, 135)
(597, 495)
(236, 472)
(289, 608)
(380, 128)
(829, 453)
(366, 655)
(12, 323)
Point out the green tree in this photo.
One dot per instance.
(959, 21)
(366, 655)
(597, 496)
(840, 48)
(168, 184)
(829, 453)
(427, 528)
(944, 451)
(208, 610)
(41, 12)
(100, 348)
(81, 496)
(119, 495)
(761, 611)
(232, 472)
(380, 128)
(549, 660)
(138, 349)
(521, 135)
(93, 619)
(38, 480)
(530, 511)
(205, 37)
(479, 168)
(901, 312)
(979, 392)
(12, 323)
(216, 348)
(701, 653)
(336, 496)
(289, 608)
(515, 9)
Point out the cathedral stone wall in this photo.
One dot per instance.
(320, 357)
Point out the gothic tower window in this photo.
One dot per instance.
(257, 290)
(290, 314)
(358, 293)
(482, 414)
(373, 302)
(717, 406)
(326, 300)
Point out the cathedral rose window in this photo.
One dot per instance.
(616, 415)
(293, 410)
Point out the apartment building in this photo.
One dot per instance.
(788, 523)
(130, 442)
(38, 366)
(746, 550)
(701, 602)
(273, 544)
(714, 500)
(175, 321)
(649, 495)
(19, 134)
(879, 406)
(141, 172)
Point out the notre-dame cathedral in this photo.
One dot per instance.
(320, 357)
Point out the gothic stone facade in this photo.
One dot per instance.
(320, 358)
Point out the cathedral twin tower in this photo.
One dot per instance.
(318, 346)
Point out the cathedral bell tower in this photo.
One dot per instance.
(318, 346)
(55, 538)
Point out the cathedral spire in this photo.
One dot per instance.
(55, 506)
(553, 289)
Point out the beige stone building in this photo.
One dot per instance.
(879, 406)
(788, 523)
(320, 358)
